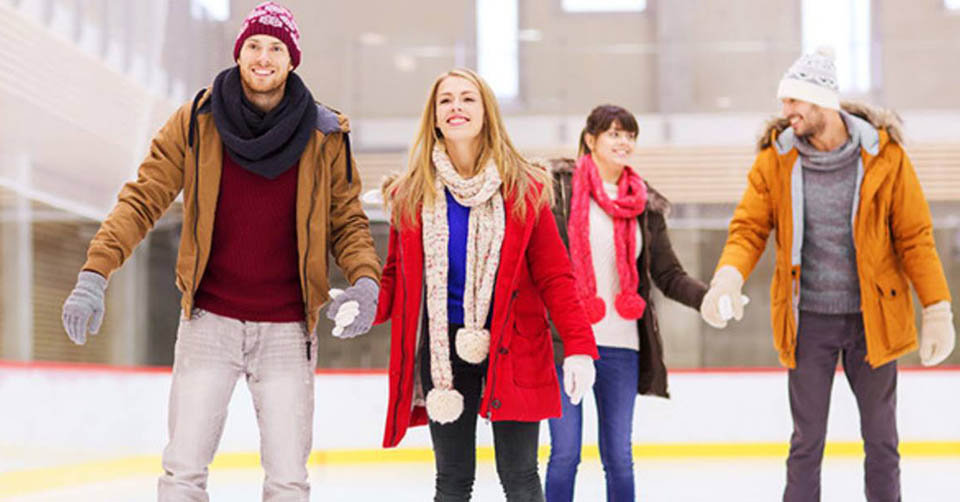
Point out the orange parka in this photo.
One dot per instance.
(892, 234)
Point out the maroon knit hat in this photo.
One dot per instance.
(271, 18)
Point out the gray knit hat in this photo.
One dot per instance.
(812, 78)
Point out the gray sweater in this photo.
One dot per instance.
(829, 282)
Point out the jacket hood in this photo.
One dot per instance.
(777, 131)
(563, 167)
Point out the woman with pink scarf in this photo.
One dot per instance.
(614, 226)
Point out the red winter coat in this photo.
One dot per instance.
(534, 276)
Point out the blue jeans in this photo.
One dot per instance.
(616, 393)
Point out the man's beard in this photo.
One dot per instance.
(813, 128)
(253, 88)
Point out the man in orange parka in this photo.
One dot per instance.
(852, 225)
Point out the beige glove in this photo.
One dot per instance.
(578, 376)
(726, 283)
(937, 334)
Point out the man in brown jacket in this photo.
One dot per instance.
(837, 187)
(269, 189)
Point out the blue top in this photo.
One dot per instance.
(458, 219)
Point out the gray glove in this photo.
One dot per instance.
(84, 307)
(365, 293)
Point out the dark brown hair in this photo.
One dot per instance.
(601, 118)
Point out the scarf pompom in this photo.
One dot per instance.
(596, 309)
(630, 305)
(444, 405)
(473, 344)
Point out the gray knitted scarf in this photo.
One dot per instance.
(835, 159)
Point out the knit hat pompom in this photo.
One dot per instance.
(596, 309)
(473, 345)
(271, 18)
(827, 52)
(444, 405)
(630, 305)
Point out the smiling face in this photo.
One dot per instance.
(612, 147)
(806, 119)
(459, 109)
(264, 64)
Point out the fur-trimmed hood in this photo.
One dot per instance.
(879, 118)
(562, 168)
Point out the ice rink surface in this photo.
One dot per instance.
(675, 480)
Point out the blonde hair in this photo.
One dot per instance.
(404, 195)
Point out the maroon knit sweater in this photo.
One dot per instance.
(252, 273)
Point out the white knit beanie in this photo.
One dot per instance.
(812, 78)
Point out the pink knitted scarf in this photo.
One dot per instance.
(630, 202)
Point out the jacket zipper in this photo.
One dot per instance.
(194, 132)
(496, 356)
(403, 324)
(196, 218)
(306, 255)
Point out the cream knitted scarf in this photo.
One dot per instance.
(487, 222)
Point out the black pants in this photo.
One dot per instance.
(455, 444)
(823, 339)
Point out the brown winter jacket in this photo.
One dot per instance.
(657, 265)
(187, 155)
(892, 234)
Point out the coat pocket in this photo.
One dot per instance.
(531, 353)
(896, 313)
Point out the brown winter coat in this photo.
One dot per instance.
(328, 207)
(657, 265)
(892, 234)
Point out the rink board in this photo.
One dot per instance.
(62, 423)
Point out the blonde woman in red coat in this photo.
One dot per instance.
(475, 263)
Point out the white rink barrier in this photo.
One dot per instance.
(73, 413)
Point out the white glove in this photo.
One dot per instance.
(724, 299)
(578, 376)
(345, 314)
(937, 334)
(725, 306)
(353, 310)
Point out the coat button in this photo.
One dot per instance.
(495, 404)
(504, 350)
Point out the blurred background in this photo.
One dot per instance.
(84, 84)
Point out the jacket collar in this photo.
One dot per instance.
(886, 124)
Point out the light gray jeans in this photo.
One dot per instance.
(211, 353)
